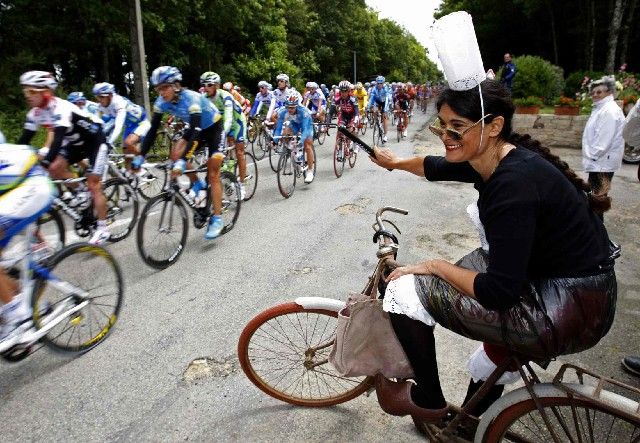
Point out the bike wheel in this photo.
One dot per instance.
(363, 128)
(162, 230)
(339, 153)
(277, 352)
(287, 174)
(378, 139)
(399, 132)
(230, 200)
(122, 208)
(251, 180)
(274, 156)
(97, 280)
(50, 230)
(152, 182)
(631, 154)
(162, 145)
(353, 156)
(322, 134)
(571, 419)
(252, 131)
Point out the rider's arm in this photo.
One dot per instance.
(272, 106)
(228, 113)
(306, 128)
(194, 129)
(150, 138)
(279, 124)
(25, 137)
(56, 143)
(118, 125)
(255, 108)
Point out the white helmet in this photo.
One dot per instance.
(263, 83)
(284, 77)
(312, 85)
(38, 79)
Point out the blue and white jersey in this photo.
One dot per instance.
(260, 100)
(300, 121)
(279, 96)
(122, 111)
(317, 99)
(381, 95)
(189, 102)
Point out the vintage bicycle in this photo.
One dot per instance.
(284, 352)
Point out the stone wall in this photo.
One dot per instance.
(560, 131)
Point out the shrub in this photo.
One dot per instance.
(536, 77)
(577, 82)
(566, 101)
(528, 101)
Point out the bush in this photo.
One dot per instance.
(528, 101)
(537, 77)
(576, 84)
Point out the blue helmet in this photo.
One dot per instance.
(103, 89)
(165, 74)
(76, 96)
(379, 79)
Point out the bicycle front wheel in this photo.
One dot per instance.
(353, 155)
(322, 134)
(162, 230)
(284, 352)
(339, 158)
(274, 155)
(122, 208)
(286, 174)
(96, 283)
(152, 182)
(251, 179)
(230, 200)
(571, 419)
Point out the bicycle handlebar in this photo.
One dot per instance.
(380, 222)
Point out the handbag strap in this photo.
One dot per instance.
(376, 279)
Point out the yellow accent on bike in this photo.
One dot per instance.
(102, 333)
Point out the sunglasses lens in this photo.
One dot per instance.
(436, 130)
(455, 135)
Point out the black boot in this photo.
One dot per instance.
(492, 395)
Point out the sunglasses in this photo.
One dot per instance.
(452, 133)
(31, 91)
(209, 85)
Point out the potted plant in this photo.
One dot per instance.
(528, 105)
(566, 106)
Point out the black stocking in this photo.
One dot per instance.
(418, 343)
(494, 393)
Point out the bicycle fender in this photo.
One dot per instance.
(320, 303)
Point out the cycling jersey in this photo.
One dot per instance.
(76, 132)
(225, 102)
(125, 114)
(348, 110)
(259, 101)
(381, 97)
(361, 95)
(279, 96)
(26, 192)
(316, 100)
(301, 121)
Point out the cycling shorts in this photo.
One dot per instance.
(381, 106)
(140, 129)
(97, 152)
(403, 104)
(239, 129)
(347, 119)
(212, 137)
(24, 204)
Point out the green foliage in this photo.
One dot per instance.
(536, 77)
(577, 82)
(528, 101)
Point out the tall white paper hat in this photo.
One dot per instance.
(458, 51)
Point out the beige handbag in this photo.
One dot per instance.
(365, 341)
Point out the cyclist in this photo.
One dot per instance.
(381, 97)
(205, 127)
(26, 192)
(299, 120)
(78, 98)
(263, 96)
(411, 92)
(279, 96)
(401, 103)
(122, 114)
(233, 119)
(237, 96)
(360, 93)
(316, 102)
(348, 111)
(76, 135)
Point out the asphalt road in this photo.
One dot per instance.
(136, 386)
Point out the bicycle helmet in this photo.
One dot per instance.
(344, 85)
(210, 77)
(359, 85)
(237, 88)
(367, 84)
(292, 99)
(2, 139)
(228, 86)
(38, 79)
(312, 85)
(379, 79)
(263, 84)
(165, 74)
(76, 96)
(323, 86)
(103, 89)
(284, 77)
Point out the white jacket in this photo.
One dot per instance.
(602, 143)
(631, 131)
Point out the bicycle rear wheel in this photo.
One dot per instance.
(122, 208)
(251, 179)
(363, 128)
(92, 270)
(280, 351)
(571, 419)
(286, 174)
(152, 182)
(339, 153)
(162, 230)
(230, 200)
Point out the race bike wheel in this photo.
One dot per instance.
(162, 230)
(122, 208)
(284, 351)
(95, 272)
(274, 155)
(339, 156)
(322, 134)
(399, 131)
(252, 130)
(363, 127)
(230, 200)
(287, 173)
(353, 155)
(251, 180)
(50, 231)
(152, 182)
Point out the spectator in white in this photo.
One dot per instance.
(602, 143)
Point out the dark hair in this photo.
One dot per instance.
(497, 102)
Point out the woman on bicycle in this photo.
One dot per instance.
(543, 245)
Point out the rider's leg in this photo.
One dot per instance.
(213, 173)
(308, 149)
(419, 345)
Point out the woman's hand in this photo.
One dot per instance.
(424, 268)
(385, 158)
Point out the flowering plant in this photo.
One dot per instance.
(528, 101)
(567, 102)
